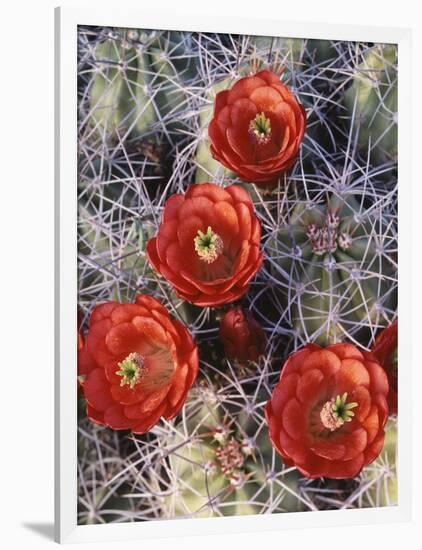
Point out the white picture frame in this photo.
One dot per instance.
(66, 528)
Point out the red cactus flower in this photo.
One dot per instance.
(139, 364)
(327, 413)
(207, 246)
(257, 128)
(80, 341)
(385, 350)
(243, 337)
(85, 361)
(80, 334)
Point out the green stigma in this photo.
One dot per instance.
(342, 409)
(208, 245)
(336, 412)
(260, 128)
(131, 370)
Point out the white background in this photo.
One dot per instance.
(26, 260)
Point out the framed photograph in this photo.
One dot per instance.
(228, 295)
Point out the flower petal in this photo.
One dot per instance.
(226, 220)
(330, 449)
(244, 88)
(344, 469)
(372, 452)
(293, 420)
(123, 339)
(283, 392)
(101, 312)
(115, 418)
(352, 373)
(379, 380)
(324, 360)
(297, 359)
(265, 98)
(354, 443)
(97, 390)
(172, 207)
(311, 387)
(210, 191)
(239, 194)
(346, 351)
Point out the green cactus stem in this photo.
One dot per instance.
(137, 86)
(221, 470)
(332, 269)
(371, 101)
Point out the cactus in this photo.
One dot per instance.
(105, 259)
(285, 53)
(115, 89)
(99, 500)
(322, 52)
(132, 158)
(371, 100)
(217, 461)
(137, 84)
(332, 265)
(220, 462)
(382, 475)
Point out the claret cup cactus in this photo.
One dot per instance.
(321, 267)
(371, 101)
(224, 466)
(138, 81)
(332, 267)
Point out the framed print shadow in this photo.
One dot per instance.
(227, 279)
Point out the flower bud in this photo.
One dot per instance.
(243, 337)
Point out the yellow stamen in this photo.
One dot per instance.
(208, 246)
(131, 370)
(260, 128)
(336, 412)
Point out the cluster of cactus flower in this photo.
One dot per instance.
(325, 239)
(237, 220)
